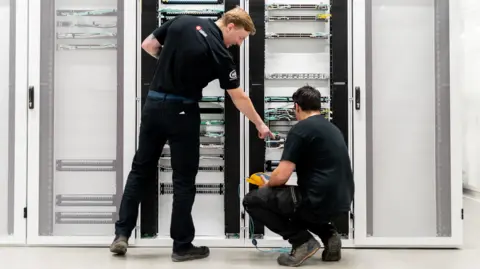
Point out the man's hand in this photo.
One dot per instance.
(265, 179)
(281, 174)
(264, 131)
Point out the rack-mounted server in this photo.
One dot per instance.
(218, 177)
(274, 76)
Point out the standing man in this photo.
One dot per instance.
(316, 149)
(191, 53)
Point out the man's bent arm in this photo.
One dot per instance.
(243, 103)
(281, 174)
(152, 46)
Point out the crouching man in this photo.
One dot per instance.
(316, 150)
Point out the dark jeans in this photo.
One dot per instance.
(179, 123)
(280, 210)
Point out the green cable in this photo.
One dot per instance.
(213, 99)
(212, 134)
(278, 99)
(181, 11)
(93, 12)
(254, 241)
(212, 122)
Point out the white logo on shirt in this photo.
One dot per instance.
(199, 28)
(233, 75)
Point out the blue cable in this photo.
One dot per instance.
(255, 242)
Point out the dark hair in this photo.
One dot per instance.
(308, 98)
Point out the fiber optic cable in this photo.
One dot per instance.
(252, 232)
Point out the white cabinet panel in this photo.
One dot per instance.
(13, 90)
(7, 94)
(406, 166)
(80, 118)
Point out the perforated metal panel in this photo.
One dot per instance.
(81, 117)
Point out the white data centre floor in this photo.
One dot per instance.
(93, 258)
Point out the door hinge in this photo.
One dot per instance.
(24, 212)
(462, 213)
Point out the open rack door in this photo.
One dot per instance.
(407, 158)
(13, 120)
(81, 118)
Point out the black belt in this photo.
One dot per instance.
(170, 96)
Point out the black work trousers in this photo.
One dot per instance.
(280, 210)
(179, 123)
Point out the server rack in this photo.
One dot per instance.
(216, 211)
(319, 31)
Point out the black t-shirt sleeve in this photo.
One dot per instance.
(161, 32)
(225, 68)
(292, 148)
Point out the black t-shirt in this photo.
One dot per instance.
(325, 179)
(193, 55)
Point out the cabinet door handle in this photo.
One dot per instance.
(31, 97)
(357, 98)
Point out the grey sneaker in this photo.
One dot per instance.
(193, 253)
(299, 254)
(333, 249)
(119, 245)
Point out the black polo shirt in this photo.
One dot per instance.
(193, 55)
(325, 178)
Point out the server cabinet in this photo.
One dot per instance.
(216, 211)
(13, 120)
(297, 43)
(81, 118)
(407, 155)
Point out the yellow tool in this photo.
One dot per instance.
(256, 179)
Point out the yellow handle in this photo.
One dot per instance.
(256, 179)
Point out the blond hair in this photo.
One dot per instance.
(240, 18)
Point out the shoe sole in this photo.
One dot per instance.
(334, 250)
(178, 258)
(119, 248)
(317, 247)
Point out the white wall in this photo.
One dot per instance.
(465, 43)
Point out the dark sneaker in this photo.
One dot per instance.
(119, 245)
(299, 254)
(333, 248)
(193, 253)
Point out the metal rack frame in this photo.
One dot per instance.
(220, 136)
(334, 13)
